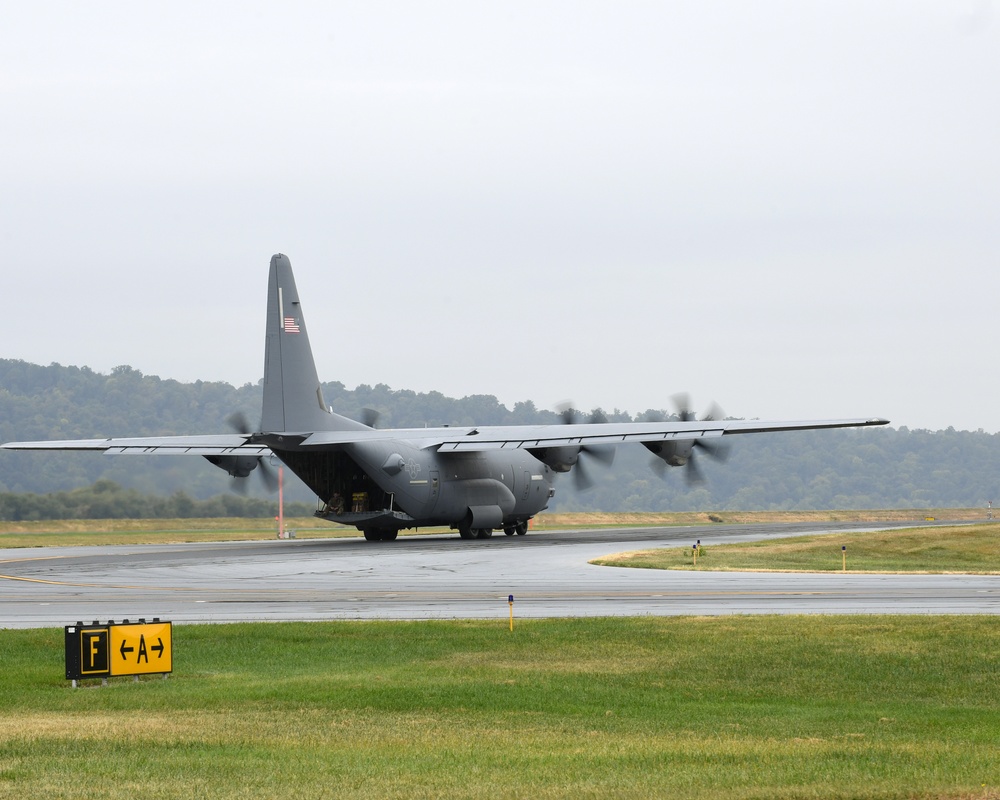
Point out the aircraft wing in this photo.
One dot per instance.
(446, 440)
(226, 444)
(613, 433)
(530, 437)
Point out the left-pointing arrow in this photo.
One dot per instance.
(125, 650)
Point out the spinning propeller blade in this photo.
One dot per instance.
(583, 478)
(238, 422)
(717, 451)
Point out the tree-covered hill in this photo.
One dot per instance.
(849, 469)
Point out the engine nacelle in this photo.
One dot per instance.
(675, 452)
(559, 459)
(237, 466)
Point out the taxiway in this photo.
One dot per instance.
(440, 577)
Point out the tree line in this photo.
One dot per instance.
(105, 499)
(849, 469)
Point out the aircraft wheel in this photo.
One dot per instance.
(389, 535)
(466, 533)
(521, 528)
(509, 531)
(372, 534)
(484, 533)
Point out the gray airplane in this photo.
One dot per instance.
(473, 479)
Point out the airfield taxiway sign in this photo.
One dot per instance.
(139, 648)
(105, 651)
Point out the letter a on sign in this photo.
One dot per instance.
(138, 648)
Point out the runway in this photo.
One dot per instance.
(442, 577)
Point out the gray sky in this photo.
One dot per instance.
(790, 208)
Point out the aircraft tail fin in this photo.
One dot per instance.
(293, 397)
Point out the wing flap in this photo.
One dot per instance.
(159, 450)
(611, 433)
(209, 445)
(530, 437)
(604, 438)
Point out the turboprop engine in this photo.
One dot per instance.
(240, 467)
(675, 452)
(560, 459)
(237, 466)
(681, 452)
(565, 458)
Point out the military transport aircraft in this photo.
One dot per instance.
(473, 479)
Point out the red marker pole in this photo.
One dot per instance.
(281, 503)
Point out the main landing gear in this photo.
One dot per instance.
(520, 529)
(475, 533)
(389, 534)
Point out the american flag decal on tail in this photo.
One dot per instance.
(291, 325)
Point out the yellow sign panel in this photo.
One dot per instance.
(141, 648)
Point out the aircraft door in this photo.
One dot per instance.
(527, 483)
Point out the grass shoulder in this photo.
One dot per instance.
(973, 548)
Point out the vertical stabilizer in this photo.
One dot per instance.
(293, 399)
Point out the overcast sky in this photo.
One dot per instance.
(790, 208)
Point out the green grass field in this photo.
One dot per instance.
(741, 707)
(965, 548)
(744, 707)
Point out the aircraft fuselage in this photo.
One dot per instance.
(390, 485)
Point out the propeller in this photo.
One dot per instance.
(583, 478)
(684, 450)
(241, 465)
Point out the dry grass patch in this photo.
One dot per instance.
(550, 521)
(954, 549)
